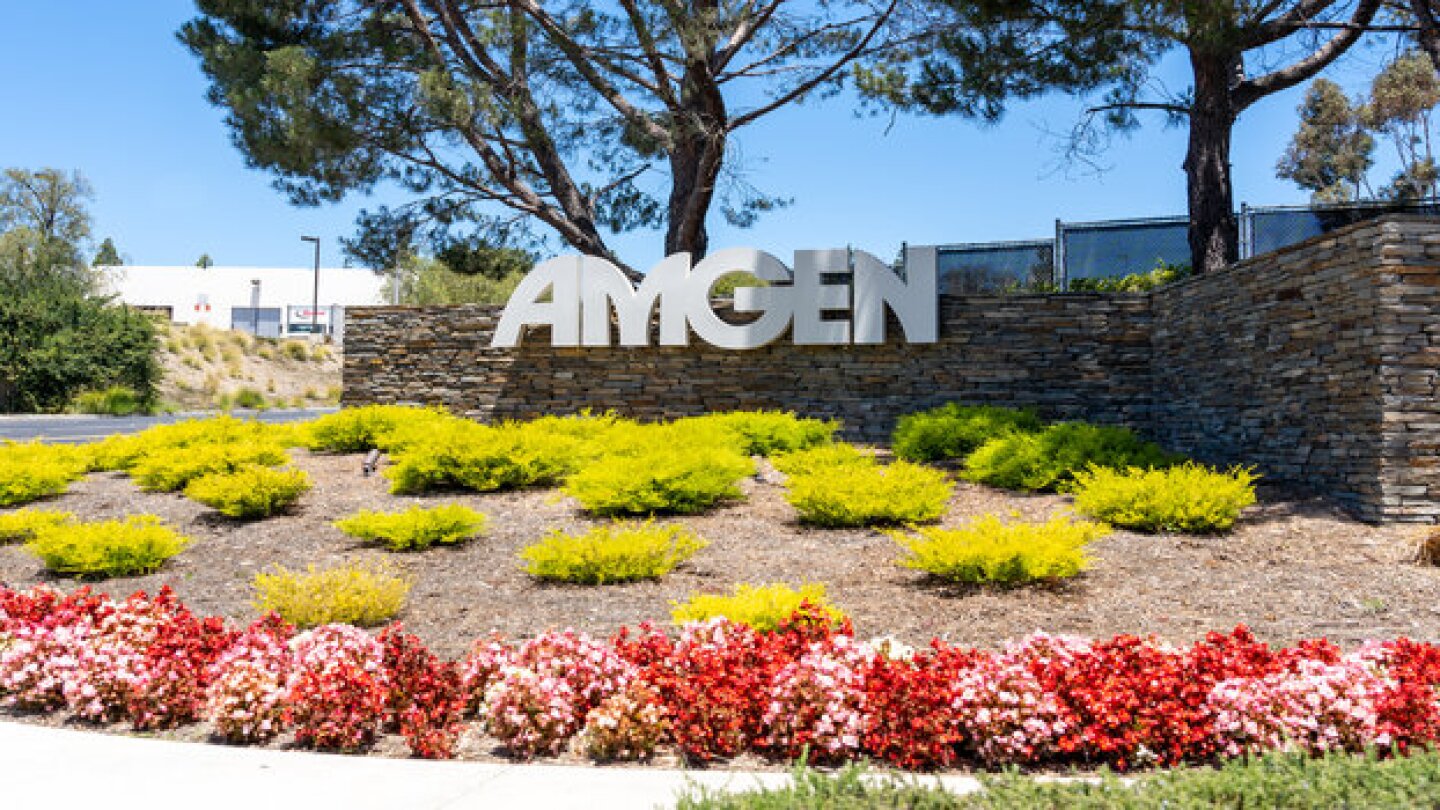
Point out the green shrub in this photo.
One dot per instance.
(955, 431)
(356, 430)
(621, 552)
(295, 350)
(171, 469)
(30, 471)
(989, 550)
(661, 477)
(362, 594)
(249, 399)
(763, 433)
(22, 524)
(112, 548)
(1187, 498)
(117, 400)
(417, 528)
(249, 492)
(824, 457)
(125, 452)
(1049, 459)
(1161, 275)
(487, 459)
(869, 495)
(763, 607)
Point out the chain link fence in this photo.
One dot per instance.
(1107, 249)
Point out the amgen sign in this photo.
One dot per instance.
(576, 296)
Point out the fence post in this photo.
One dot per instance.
(1062, 273)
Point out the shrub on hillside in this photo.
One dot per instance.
(138, 545)
(763, 433)
(988, 550)
(954, 431)
(824, 457)
(869, 494)
(32, 470)
(250, 492)
(660, 477)
(1186, 498)
(361, 594)
(22, 524)
(417, 528)
(171, 469)
(620, 552)
(1049, 459)
(764, 607)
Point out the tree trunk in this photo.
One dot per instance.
(694, 168)
(1214, 230)
(700, 127)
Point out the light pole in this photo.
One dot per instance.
(315, 300)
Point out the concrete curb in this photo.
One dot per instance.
(48, 767)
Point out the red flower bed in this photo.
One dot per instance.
(717, 689)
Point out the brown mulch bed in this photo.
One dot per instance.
(1291, 569)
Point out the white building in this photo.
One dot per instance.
(269, 301)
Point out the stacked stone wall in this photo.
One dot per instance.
(1317, 364)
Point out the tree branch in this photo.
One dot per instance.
(824, 76)
(1252, 90)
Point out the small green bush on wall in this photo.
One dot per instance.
(988, 550)
(621, 552)
(954, 431)
(417, 528)
(1188, 498)
(869, 495)
(138, 545)
(363, 594)
(661, 478)
(250, 492)
(1049, 459)
(763, 607)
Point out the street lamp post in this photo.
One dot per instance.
(315, 300)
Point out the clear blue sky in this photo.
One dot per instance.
(104, 87)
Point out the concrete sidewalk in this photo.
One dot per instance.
(62, 768)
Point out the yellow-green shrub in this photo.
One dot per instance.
(762, 607)
(761, 433)
(869, 495)
(355, 430)
(1049, 459)
(990, 550)
(30, 471)
(125, 452)
(661, 477)
(620, 552)
(362, 594)
(820, 458)
(170, 469)
(1187, 498)
(954, 430)
(487, 459)
(416, 528)
(138, 545)
(250, 491)
(22, 524)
